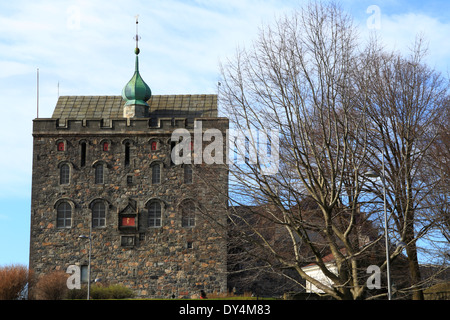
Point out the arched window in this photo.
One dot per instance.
(154, 214)
(187, 214)
(98, 214)
(64, 215)
(64, 174)
(99, 173)
(156, 173)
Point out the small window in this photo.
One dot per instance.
(127, 154)
(189, 245)
(61, 146)
(99, 174)
(127, 241)
(129, 180)
(64, 174)
(98, 215)
(156, 173)
(105, 146)
(84, 274)
(64, 215)
(154, 214)
(83, 154)
(154, 145)
(187, 174)
(188, 214)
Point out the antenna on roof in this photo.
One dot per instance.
(37, 93)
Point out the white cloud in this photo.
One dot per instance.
(13, 68)
(398, 29)
(87, 46)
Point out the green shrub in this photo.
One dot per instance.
(119, 292)
(98, 292)
(77, 294)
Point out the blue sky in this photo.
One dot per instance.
(86, 46)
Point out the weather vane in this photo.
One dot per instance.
(137, 35)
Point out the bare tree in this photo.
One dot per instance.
(438, 201)
(331, 110)
(299, 80)
(51, 286)
(13, 281)
(407, 105)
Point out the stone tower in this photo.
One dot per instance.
(103, 166)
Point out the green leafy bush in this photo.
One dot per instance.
(119, 292)
(77, 294)
(102, 293)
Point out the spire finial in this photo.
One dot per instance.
(137, 36)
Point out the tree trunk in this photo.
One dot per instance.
(414, 271)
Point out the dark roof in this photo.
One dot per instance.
(111, 107)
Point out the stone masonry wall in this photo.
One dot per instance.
(159, 262)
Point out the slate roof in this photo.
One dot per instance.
(111, 107)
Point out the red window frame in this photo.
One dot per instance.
(61, 146)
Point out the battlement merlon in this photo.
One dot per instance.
(125, 126)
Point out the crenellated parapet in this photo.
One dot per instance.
(125, 126)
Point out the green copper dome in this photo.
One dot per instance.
(136, 90)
